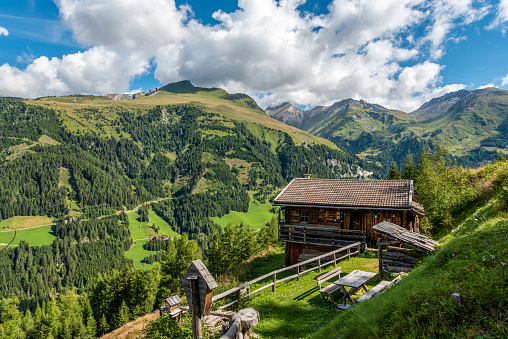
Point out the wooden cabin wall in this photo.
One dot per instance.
(293, 251)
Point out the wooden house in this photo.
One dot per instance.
(319, 215)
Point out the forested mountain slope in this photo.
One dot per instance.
(471, 124)
(199, 153)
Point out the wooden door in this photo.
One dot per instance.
(356, 222)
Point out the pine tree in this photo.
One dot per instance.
(393, 174)
(103, 326)
(11, 318)
(409, 171)
(123, 315)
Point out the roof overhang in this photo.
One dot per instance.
(346, 207)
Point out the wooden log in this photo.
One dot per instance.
(242, 325)
(398, 249)
(274, 281)
(397, 263)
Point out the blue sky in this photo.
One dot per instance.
(398, 53)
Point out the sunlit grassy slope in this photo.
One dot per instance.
(472, 261)
(140, 231)
(34, 236)
(258, 214)
(77, 116)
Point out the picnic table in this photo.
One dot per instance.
(355, 280)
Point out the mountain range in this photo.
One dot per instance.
(471, 125)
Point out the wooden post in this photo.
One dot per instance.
(334, 260)
(297, 273)
(279, 215)
(380, 255)
(238, 296)
(349, 253)
(197, 330)
(274, 281)
(319, 264)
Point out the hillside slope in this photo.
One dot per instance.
(471, 261)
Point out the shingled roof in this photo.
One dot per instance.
(395, 194)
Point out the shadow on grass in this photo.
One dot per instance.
(283, 322)
(305, 294)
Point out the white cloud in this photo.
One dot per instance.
(446, 15)
(502, 15)
(487, 86)
(26, 57)
(95, 71)
(3, 31)
(363, 49)
(504, 81)
(126, 24)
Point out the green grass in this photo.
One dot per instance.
(472, 261)
(34, 236)
(20, 222)
(296, 309)
(145, 230)
(137, 252)
(257, 215)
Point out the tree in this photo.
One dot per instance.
(393, 174)
(103, 326)
(409, 171)
(500, 158)
(11, 319)
(123, 315)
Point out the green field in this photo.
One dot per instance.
(145, 230)
(34, 236)
(16, 223)
(257, 215)
(137, 252)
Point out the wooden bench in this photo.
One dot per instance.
(327, 276)
(383, 285)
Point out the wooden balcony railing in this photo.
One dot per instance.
(319, 234)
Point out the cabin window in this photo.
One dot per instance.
(304, 216)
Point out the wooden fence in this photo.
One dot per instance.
(319, 235)
(334, 256)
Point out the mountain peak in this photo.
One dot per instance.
(438, 106)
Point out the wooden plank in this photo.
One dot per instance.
(355, 279)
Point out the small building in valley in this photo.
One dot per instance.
(319, 215)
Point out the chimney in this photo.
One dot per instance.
(307, 175)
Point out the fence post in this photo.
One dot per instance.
(274, 281)
(319, 264)
(335, 260)
(349, 253)
(297, 273)
(238, 296)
